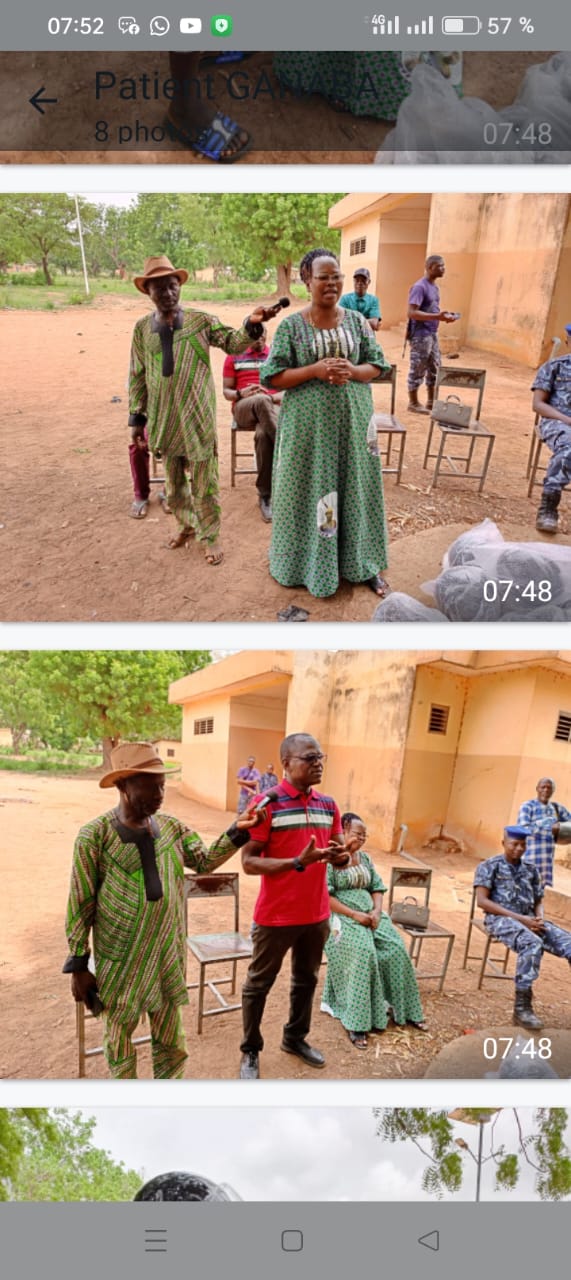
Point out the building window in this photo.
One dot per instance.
(170, 752)
(204, 726)
(563, 730)
(438, 719)
(357, 246)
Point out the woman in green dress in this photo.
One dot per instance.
(372, 83)
(368, 966)
(327, 489)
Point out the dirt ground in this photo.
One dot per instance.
(63, 133)
(70, 551)
(40, 818)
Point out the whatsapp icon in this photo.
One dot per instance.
(221, 24)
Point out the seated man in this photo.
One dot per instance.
(510, 892)
(552, 400)
(256, 408)
(367, 304)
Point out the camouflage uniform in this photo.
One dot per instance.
(555, 378)
(517, 887)
(425, 360)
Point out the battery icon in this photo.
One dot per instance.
(462, 26)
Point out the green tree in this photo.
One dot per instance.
(57, 1159)
(169, 224)
(104, 695)
(275, 229)
(544, 1150)
(34, 227)
(18, 1125)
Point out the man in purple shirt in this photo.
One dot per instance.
(248, 780)
(424, 316)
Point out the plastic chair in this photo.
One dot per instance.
(216, 948)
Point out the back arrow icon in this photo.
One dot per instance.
(38, 102)
(430, 1241)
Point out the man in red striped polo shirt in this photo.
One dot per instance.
(298, 832)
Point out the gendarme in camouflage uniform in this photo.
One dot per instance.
(554, 378)
(515, 885)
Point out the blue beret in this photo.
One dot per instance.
(516, 833)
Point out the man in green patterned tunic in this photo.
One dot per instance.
(172, 405)
(127, 889)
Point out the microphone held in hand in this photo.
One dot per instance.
(267, 799)
(270, 312)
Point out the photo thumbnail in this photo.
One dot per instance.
(288, 107)
(314, 864)
(304, 1155)
(335, 407)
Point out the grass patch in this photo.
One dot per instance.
(69, 291)
(50, 761)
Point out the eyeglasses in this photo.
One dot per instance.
(314, 758)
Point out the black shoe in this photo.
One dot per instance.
(523, 1015)
(547, 518)
(250, 1066)
(265, 505)
(301, 1049)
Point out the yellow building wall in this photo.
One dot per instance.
(429, 760)
(401, 261)
(560, 309)
(543, 755)
(255, 730)
(492, 740)
(357, 705)
(366, 225)
(170, 750)
(454, 232)
(204, 757)
(521, 237)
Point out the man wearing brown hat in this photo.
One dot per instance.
(172, 404)
(127, 889)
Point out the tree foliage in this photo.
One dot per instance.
(34, 227)
(544, 1150)
(52, 1156)
(278, 228)
(104, 695)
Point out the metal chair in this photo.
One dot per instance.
(533, 462)
(216, 948)
(486, 962)
(236, 453)
(388, 425)
(468, 379)
(421, 878)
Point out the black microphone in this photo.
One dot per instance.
(284, 302)
(269, 796)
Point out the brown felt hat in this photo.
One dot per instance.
(154, 268)
(131, 758)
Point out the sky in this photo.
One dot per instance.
(286, 1153)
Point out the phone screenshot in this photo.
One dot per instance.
(285, 921)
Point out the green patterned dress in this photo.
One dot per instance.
(366, 971)
(366, 84)
(139, 946)
(327, 488)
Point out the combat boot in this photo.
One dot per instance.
(429, 398)
(523, 1011)
(413, 403)
(547, 518)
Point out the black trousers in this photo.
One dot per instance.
(271, 944)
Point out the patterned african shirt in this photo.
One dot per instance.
(538, 819)
(180, 408)
(514, 885)
(555, 378)
(139, 946)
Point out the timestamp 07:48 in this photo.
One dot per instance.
(495, 1047)
(503, 589)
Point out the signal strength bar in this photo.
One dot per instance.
(387, 26)
(423, 28)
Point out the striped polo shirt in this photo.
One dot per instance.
(287, 826)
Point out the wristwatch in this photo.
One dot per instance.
(298, 865)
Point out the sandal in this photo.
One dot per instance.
(139, 508)
(214, 555)
(358, 1039)
(220, 136)
(379, 585)
(180, 539)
